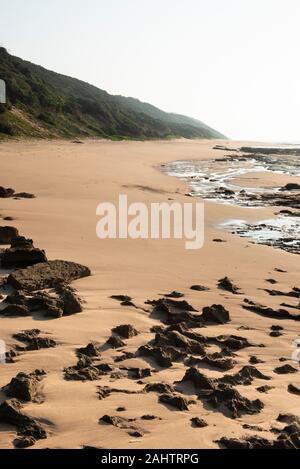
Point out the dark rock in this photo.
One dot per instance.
(136, 433)
(174, 400)
(285, 369)
(176, 339)
(149, 417)
(5, 193)
(84, 370)
(232, 342)
(121, 409)
(33, 340)
(219, 240)
(264, 389)
(113, 420)
(91, 350)
(198, 423)
(121, 298)
(24, 195)
(121, 422)
(275, 334)
(24, 442)
(268, 312)
(15, 310)
(255, 361)
(11, 413)
(22, 253)
(160, 388)
(293, 389)
(105, 391)
(254, 428)
(47, 275)
(7, 234)
(271, 280)
(199, 380)
(288, 418)
(254, 442)
(125, 330)
(291, 186)
(233, 401)
(226, 284)
(215, 314)
(214, 361)
(25, 387)
(162, 356)
(294, 293)
(71, 302)
(220, 394)
(139, 373)
(115, 342)
(276, 328)
(124, 356)
(174, 294)
(199, 288)
(244, 377)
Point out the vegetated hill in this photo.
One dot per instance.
(41, 103)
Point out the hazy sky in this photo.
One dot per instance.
(233, 64)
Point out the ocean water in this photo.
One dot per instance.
(206, 177)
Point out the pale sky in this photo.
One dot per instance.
(234, 64)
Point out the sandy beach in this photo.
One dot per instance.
(69, 180)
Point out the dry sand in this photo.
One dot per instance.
(69, 181)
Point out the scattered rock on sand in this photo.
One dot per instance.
(244, 377)
(91, 350)
(33, 340)
(160, 388)
(127, 331)
(291, 186)
(27, 427)
(7, 234)
(26, 387)
(175, 400)
(285, 369)
(199, 288)
(288, 418)
(115, 342)
(174, 294)
(293, 389)
(15, 310)
(47, 275)
(226, 284)
(84, 370)
(254, 360)
(6, 192)
(122, 298)
(264, 389)
(22, 253)
(198, 423)
(215, 360)
(215, 314)
(294, 293)
(255, 442)
(269, 312)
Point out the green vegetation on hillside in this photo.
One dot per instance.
(41, 103)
